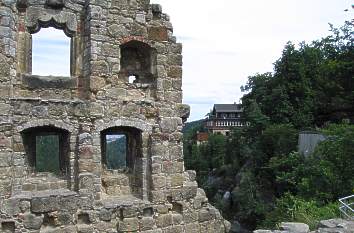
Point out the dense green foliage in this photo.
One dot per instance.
(116, 152)
(311, 84)
(296, 209)
(258, 166)
(189, 126)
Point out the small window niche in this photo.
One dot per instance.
(121, 161)
(138, 62)
(47, 150)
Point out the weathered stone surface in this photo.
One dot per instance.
(206, 214)
(183, 111)
(262, 231)
(294, 227)
(117, 30)
(158, 33)
(164, 220)
(35, 81)
(128, 225)
(147, 223)
(124, 93)
(325, 226)
(44, 204)
(32, 221)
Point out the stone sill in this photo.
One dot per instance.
(59, 101)
(26, 195)
(56, 82)
(113, 202)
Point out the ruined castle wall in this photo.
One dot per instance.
(126, 77)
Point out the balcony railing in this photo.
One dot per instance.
(225, 123)
(346, 207)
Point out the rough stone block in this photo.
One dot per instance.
(295, 227)
(44, 204)
(206, 214)
(147, 223)
(158, 182)
(158, 33)
(129, 212)
(177, 180)
(32, 221)
(192, 228)
(5, 158)
(164, 220)
(128, 225)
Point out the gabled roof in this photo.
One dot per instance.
(228, 108)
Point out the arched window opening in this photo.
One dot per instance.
(122, 161)
(120, 148)
(139, 60)
(51, 52)
(47, 149)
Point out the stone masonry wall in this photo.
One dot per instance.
(111, 42)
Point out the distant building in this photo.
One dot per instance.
(224, 117)
(202, 137)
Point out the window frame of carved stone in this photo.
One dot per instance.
(32, 22)
(29, 137)
(143, 55)
(133, 146)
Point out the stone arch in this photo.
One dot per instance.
(135, 173)
(47, 156)
(59, 140)
(46, 123)
(135, 38)
(138, 124)
(132, 150)
(36, 18)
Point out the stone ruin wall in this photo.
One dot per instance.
(110, 41)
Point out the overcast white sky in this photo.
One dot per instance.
(225, 41)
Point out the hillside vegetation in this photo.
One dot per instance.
(256, 176)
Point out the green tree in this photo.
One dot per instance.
(330, 169)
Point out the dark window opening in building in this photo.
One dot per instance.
(138, 59)
(116, 151)
(47, 149)
(51, 50)
(120, 147)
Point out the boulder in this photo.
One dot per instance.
(294, 227)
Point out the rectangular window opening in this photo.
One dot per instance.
(116, 151)
(51, 53)
(47, 153)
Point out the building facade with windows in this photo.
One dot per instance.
(101, 149)
(224, 117)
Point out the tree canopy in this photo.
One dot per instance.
(311, 87)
